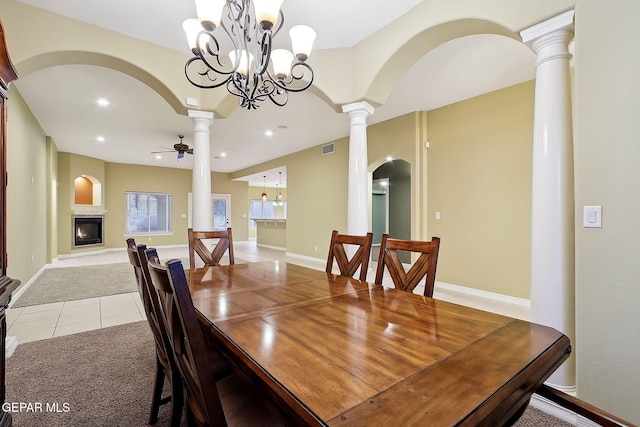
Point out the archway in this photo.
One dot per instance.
(391, 202)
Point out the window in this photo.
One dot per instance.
(261, 210)
(148, 213)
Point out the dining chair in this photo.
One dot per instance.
(213, 257)
(165, 364)
(338, 252)
(424, 265)
(209, 402)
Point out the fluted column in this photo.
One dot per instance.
(357, 205)
(202, 210)
(552, 203)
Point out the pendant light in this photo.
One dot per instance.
(264, 189)
(279, 197)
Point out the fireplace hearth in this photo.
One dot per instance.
(88, 230)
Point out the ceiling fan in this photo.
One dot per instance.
(180, 148)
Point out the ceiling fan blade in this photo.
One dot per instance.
(158, 152)
(190, 151)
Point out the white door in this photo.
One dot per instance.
(221, 211)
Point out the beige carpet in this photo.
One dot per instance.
(74, 283)
(104, 378)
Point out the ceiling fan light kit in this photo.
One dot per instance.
(250, 69)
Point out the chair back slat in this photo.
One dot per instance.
(187, 341)
(424, 266)
(338, 252)
(210, 257)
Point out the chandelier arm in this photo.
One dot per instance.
(237, 6)
(202, 73)
(211, 67)
(293, 77)
(265, 52)
(284, 94)
(234, 89)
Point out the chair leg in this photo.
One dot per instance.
(177, 400)
(157, 392)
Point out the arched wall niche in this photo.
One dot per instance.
(87, 190)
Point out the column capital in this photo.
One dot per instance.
(198, 114)
(560, 23)
(362, 106)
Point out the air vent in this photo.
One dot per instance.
(328, 149)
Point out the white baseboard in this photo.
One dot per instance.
(23, 288)
(560, 412)
(555, 410)
(277, 248)
(305, 257)
(483, 294)
(11, 343)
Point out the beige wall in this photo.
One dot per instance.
(26, 191)
(607, 173)
(122, 178)
(479, 170)
(52, 199)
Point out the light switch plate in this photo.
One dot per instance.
(592, 217)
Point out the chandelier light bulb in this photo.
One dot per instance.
(302, 38)
(209, 13)
(191, 29)
(281, 59)
(267, 12)
(239, 60)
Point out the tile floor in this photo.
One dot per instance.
(71, 317)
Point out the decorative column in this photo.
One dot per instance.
(201, 208)
(357, 208)
(552, 192)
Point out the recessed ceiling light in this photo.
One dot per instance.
(223, 154)
(158, 157)
(389, 158)
(100, 138)
(102, 102)
(269, 133)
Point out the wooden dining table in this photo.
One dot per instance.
(331, 350)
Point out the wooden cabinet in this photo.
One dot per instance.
(7, 285)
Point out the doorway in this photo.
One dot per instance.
(221, 204)
(391, 204)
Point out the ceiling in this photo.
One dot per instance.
(138, 121)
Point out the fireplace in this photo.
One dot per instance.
(88, 230)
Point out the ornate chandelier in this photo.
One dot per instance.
(232, 42)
